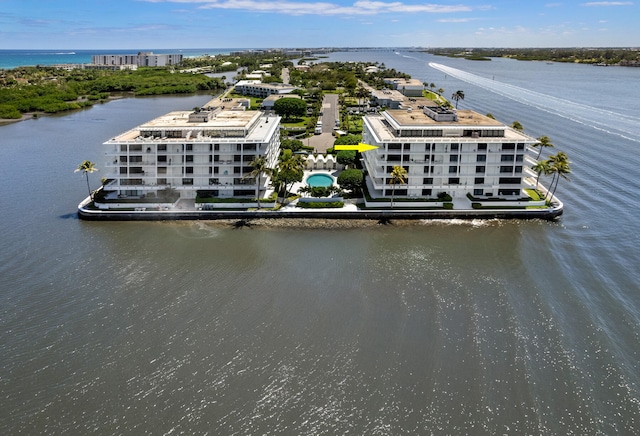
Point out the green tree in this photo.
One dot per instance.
(259, 167)
(517, 126)
(351, 179)
(87, 167)
(457, 96)
(398, 177)
(290, 108)
(348, 140)
(346, 157)
(291, 144)
(543, 142)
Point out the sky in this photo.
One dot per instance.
(166, 24)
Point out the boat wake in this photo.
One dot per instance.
(611, 122)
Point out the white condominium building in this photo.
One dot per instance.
(456, 152)
(142, 59)
(207, 150)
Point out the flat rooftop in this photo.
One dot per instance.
(255, 125)
(180, 119)
(416, 117)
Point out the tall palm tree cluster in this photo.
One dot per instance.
(557, 166)
(290, 169)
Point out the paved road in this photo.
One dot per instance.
(329, 115)
(329, 112)
(285, 76)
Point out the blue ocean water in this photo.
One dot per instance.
(15, 58)
(480, 327)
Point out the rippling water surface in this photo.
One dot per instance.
(437, 327)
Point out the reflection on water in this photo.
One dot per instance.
(429, 327)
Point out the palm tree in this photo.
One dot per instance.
(542, 167)
(259, 167)
(457, 96)
(362, 93)
(543, 142)
(517, 126)
(559, 167)
(398, 177)
(290, 170)
(87, 167)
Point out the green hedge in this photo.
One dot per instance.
(320, 204)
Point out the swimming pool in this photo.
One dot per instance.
(320, 180)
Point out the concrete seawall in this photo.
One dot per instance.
(380, 215)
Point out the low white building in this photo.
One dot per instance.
(406, 87)
(388, 98)
(207, 151)
(442, 150)
(262, 90)
(269, 102)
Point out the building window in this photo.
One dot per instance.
(189, 158)
(426, 170)
(455, 147)
(162, 170)
(480, 169)
(214, 181)
(187, 182)
(453, 169)
(506, 169)
(518, 169)
(427, 181)
(508, 146)
(482, 147)
(508, 192)
(509, 180)
(162, 158)
(520, 146)
(453, 158)
(478, 181)
(454, 180)
(478, 191)
(426, 192)
(519, 157)
(481, 158)
(506, 158)
(189, 170)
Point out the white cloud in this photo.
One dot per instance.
(607, 4)
(363, 7)
(455, 20)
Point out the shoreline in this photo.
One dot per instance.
(350, 217)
